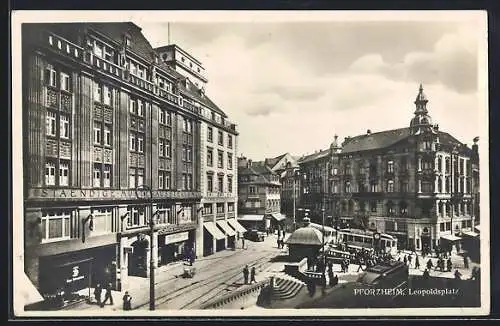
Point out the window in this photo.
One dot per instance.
(230, 161)
(404, 164)
(50, 174)
(164, 180)
(210, 159)
(373, 206)
(184, 153)
(220, 208)
(103, 219)
(252, 190)
(136, 216)
(50, 123)
(373, 187)
(189, 153)
(210, 183)
(51, 76)
(462, 163)
(447, 165)
(207, 209)
(220, 180)
(335, 171)
(55, 225)
(97, 133)
(390, 186)
(140, 108)
(390, 167)
(230, 207)
(140, 143)
(63, 173)
(187, 126)
(140, 177)
(133, 142)
(347, 169)
(439, 163)
(107, 135)
(65, 82)
(97, 175)
(447, 185)
(390, 208)
(221, 138)
(64, 126)
(210, 134)
(108, 95)
(427, 187)
(347, 187)
(162, 116)
(127, 41)
(131, 178)
(220, 159)
(229, 184)
(229, 141)
(107, 176)
(98, 50)
(136, 177)
(132, 106)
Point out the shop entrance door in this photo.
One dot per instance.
(137, 261)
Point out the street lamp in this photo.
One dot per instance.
(296, 174)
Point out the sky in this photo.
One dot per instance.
(291, 86)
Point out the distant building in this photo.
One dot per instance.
(217, 152)
(258, 196)
(417, 183)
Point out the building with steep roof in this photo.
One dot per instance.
(417, 183)
(103, 115)
(258, 195)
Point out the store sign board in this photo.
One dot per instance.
(105, 194)
(76, 275)
(176, 237)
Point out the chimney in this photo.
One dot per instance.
(368, 132)
(475, 147)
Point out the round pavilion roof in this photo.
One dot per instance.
(306, 236)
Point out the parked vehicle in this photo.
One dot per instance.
(255, 235)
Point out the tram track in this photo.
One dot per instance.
(211, 280)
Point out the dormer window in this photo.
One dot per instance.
(127, 41)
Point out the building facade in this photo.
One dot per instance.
(218, 148)
(112, 136)
(258, 196)
(415, 183)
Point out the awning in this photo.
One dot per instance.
(470, 233)
(214, 230)
(250, 218)
(450, 237)
(227, 229)
(237, 226)
(278, 217)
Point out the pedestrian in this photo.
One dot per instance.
(330, 277)
(458, 275)
(417, 263)
(466, 262)
(278, 242)
(449, 265)
(426, 274)
(107, 296)
(245, 274)
(409, 260)
(252, 275)
(405, 260)
(360, 266)
(127, 301)
(243, 242)
(429, 264)
(97, 293)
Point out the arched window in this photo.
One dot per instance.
(403, 208)
(390, 208)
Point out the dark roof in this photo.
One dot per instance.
(260, 170)
(195, 93)
(314, 156)
(272, 161)
(305, 236)
(375, 140)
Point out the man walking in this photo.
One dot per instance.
(429, 264)
(417, 263)
(252, 275)
(97, 293)
(107, 296)
(245, 274)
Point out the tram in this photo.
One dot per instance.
(356, 239)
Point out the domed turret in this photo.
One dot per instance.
(421, 121)
(306, 235)
(334, 146)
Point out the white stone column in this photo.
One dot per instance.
(123, 263)
(419, 185)
(419, 164)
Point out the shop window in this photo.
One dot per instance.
(55, 225)
(207, 209)
(230, 207)
(220, 208)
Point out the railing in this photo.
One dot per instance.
(62, 45)
(103, 65)
(235, 295)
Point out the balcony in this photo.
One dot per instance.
(103, 65)
(61, 45)
(141, 83)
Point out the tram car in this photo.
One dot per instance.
(356, 239)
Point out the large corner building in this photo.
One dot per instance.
(103, 114)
